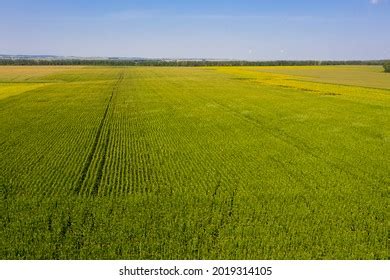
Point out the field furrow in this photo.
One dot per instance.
(98, 138)
(184, 163)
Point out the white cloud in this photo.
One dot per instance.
(375, 2)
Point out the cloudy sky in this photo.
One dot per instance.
(245, 29)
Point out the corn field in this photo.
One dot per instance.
(192, 163)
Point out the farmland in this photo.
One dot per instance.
(194, 163)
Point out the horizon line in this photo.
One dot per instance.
(30, 56)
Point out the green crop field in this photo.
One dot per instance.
(194, 163)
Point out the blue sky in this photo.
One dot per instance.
(240, 29)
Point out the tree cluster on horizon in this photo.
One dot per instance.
(187, 63)
(387, 67)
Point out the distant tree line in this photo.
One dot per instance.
(387, 67)
(161, 62)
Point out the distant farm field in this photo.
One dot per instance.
(194, 163)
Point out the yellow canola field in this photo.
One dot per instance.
(11, 89)
(298, 83)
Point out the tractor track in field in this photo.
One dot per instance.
(88, 162)
(95, 189)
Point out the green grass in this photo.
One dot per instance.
(192, 163)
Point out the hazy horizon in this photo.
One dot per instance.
(248, 29)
